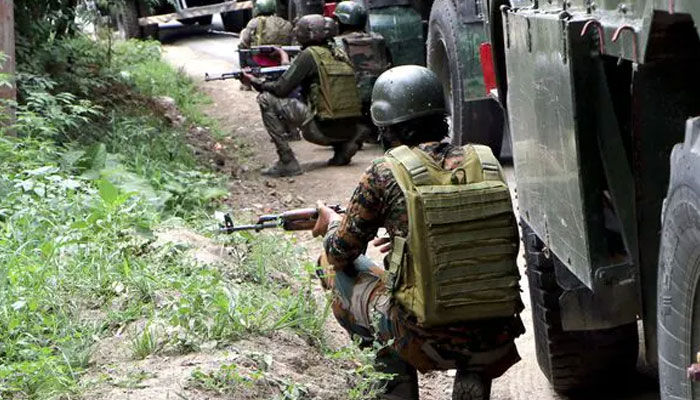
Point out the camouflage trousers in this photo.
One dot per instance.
(283, 115)
(364, 307)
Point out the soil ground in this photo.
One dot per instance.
(236, 111)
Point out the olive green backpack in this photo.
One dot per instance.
(335, 96)
(458, 262)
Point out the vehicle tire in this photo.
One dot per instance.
(678, 300)
(201, 21)
(453, 50)
(235, 21)
(470, 386)
(127, 19)
(572, 360)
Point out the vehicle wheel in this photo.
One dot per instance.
(471, 386)
(201, 21)
(127, 18)
(678, 297)
(572, 359)
(453, 54)
(235, 21)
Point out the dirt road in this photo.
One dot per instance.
(238, 113)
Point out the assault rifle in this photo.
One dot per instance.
(269, 49)
(269, 72)
(301, 219)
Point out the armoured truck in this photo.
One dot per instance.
(140, 18)
(602, 100)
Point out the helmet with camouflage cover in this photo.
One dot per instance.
(404, 93)
(311, 29)
(264, 7)
(351, 13)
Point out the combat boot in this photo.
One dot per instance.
(282, 169)
(404, 384)
(343, 152)
(471, 386)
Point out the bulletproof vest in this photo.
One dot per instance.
(272, 30)
(335, 95)
(458, 262)
(368, 55)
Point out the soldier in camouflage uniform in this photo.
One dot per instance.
(366, 51)
(480, 351)
(264, 29)
(330, 109)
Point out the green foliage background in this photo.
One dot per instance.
(88, 173)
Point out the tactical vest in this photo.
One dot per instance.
(335, 95)
(272, 30)
(368, 55)
(458, 262)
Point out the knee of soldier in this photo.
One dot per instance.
(266, 100)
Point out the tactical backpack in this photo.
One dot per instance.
(271, 30)
(458, 262)
(335, 96)
(368, 55)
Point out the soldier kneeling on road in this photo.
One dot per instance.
(366, 51)
(448, 295)
(330, 110)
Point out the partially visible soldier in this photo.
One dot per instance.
(264, 29)
(366, 51)
(448, 295)
(329, 112)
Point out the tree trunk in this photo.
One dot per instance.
(7, 47)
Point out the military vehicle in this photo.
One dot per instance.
(602, 99)
(140, 18)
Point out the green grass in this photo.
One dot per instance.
(89, 179)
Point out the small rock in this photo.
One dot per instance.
(290, 180)
(301, 199)
(288, 199)
(258, 206)
(270, 184)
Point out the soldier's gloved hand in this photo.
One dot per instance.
(384, 244)
(326, 215)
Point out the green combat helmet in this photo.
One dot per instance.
(406, 92)
(331, 28)
(311, 30)
(351, 13)
(265, 7)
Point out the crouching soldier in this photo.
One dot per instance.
(330, 107)
(447, 296)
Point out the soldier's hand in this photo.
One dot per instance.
(326, 215)
(246, 78)
(384, 244)
(282, 55)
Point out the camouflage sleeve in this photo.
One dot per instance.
(345, 242)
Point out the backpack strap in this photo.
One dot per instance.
(489, 164)
(413, 164)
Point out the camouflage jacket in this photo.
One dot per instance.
(378, 203)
